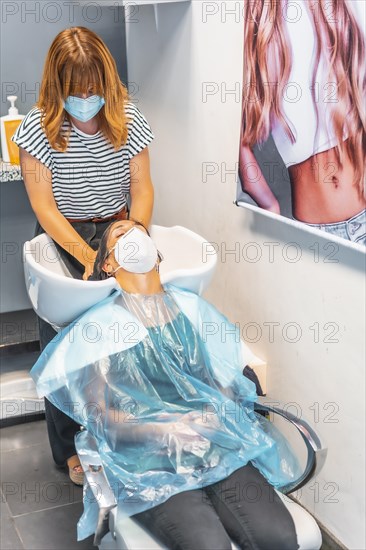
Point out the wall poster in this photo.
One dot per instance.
(303, 131)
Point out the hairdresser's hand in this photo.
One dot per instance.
(89, 264)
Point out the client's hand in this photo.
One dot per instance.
(191, 419)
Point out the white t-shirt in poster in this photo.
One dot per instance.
(297, 101)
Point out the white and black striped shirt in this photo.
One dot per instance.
(90, 179)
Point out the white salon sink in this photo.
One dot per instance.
(189, 262)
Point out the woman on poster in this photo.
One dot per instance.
(304, 83)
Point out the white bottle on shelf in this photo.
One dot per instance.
(9, 123)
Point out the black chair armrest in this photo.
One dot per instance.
(317, 451)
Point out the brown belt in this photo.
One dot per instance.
(121, 215)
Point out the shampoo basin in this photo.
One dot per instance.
(189, 262)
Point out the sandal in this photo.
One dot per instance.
(76, 473)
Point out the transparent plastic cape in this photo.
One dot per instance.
(157, 380)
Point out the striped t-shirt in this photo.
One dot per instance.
(90, 179)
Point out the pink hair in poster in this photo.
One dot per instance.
(303, 133)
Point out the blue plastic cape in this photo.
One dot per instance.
(157, 380)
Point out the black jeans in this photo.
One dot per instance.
(61, 428)
(244, 507)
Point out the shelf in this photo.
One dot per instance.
(146, 2)
(9, 172)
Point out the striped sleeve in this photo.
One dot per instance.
(139, 131)
(30, 136)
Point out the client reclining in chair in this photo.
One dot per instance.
(155, 375)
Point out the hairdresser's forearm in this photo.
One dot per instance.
(141, 188)
(142, 201)
(61, 231)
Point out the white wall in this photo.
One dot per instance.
(317, 300)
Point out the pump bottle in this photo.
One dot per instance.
(9, 123)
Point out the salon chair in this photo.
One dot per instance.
(189, 262)
(123, 533)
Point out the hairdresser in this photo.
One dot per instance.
(83, 154)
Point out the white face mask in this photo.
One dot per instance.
(135, 251)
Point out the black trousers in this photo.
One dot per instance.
(61, 428)
(244, 507)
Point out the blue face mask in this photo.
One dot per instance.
(83, 109)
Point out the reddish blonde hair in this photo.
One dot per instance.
(264, 29)
(78, 61)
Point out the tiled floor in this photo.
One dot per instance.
(40, 506)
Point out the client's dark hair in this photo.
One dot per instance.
(103, 251)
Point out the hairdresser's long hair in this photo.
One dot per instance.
(265, 31)
(78, 60)
(98, 272)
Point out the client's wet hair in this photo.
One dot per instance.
(103, 252)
